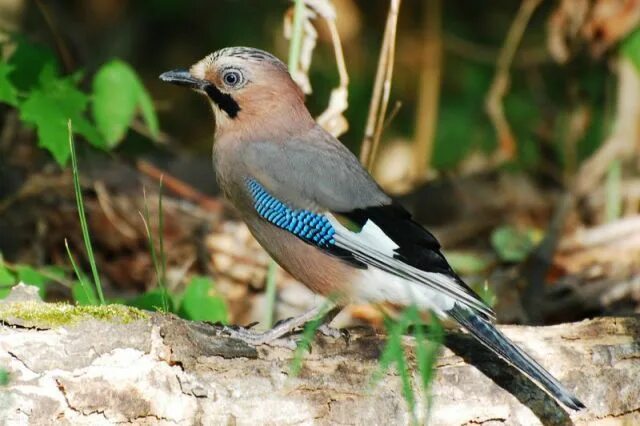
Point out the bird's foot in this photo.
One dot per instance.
(336, 333)
(257, 338)
(278, 335)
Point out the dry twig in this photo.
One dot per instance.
(61, 45)
(625, 133)
(179, 187)
(500, 84)
(105, 203)
(429, 92)
(332, 118)
(381, 89)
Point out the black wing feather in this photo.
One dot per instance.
(417, 246)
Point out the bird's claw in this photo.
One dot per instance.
(336, 333)
(282, 321)
(254, 338)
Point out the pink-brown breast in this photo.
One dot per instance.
(322, 273)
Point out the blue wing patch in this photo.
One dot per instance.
(312, 227)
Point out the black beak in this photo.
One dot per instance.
(183, 78)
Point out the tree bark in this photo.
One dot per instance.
(164, 370)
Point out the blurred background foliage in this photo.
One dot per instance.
(97, 62)
(157, 35)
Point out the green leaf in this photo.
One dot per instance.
(29, 60)
(54, 272)
(148, 112)
(6, 276)
(84, 294)
(31, 276)
(84, 127)
(50, 106)
(117, 93)
(4, 377)
(631, 48)
(7, 279)
(468, 263)
(199, 304)
(486, 293)
(512, 244)
(8, 93)
(115, 96)
(151, 301)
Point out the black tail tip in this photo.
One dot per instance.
(573, 403)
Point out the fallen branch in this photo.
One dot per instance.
(180, 187)
(105, 365)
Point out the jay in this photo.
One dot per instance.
(320, 215)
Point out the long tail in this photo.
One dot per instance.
(493, 339)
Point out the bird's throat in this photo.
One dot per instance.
(224, 101)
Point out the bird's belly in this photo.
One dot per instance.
(322, 273)
(374, 285)
(329, 276)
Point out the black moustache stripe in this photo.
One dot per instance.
(224, 101)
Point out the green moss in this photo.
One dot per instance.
(45, 315)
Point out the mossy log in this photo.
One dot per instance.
(117, 365)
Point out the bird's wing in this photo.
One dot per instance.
(315, 172)
(318, 191)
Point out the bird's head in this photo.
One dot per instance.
(248, 89)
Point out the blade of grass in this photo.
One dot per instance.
(394, 354)
(304, 344)
(81, 214)
(81, 279)
(390, 352)
(426, 353)
(270, 294)
(162, 282)
(294, 59)
(296, 36)
(152, 249)
(613, 204)
(407, 388)
(427, 350)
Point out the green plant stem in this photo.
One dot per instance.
(270, 294)
(83, 218)
(426, 352)
(304, 343)
(296, 36)
(154, 257)
(294, 58)
(613, 205)
(79, 275)
(163, 258)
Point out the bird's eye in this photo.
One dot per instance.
(232, 78)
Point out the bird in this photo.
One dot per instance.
(321, 216)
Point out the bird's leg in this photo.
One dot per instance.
(281, 328)
(329, 331)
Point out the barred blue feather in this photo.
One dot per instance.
(312, 227)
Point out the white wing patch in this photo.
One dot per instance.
(373, 247)
(371, 235)
(376, 286)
